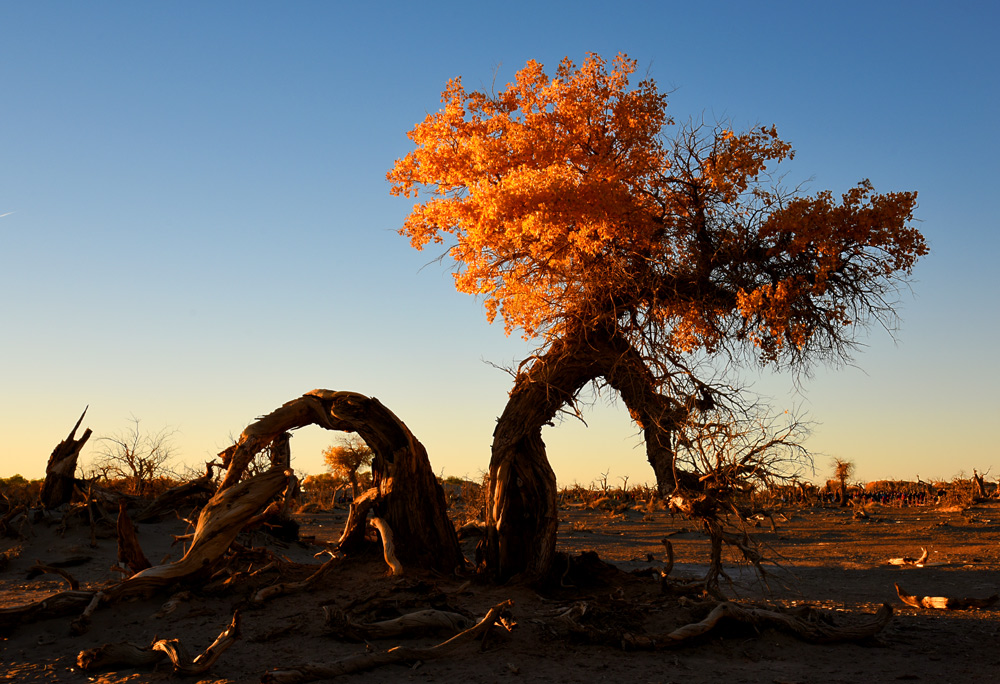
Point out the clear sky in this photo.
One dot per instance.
(197, 226)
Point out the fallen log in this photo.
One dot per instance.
(944, 602)
(111, 655)
(310, 672)
(813, 631)
(220, 521)
(283, 588)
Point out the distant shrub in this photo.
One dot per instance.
(959, 492)
(16, 490)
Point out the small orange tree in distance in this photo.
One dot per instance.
(630, 253)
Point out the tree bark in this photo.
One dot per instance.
(60, 473)
(522, 513)
(409, 496)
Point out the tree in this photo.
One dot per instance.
(842, 469)
(630, 255)
(346, 458)
(134, 456)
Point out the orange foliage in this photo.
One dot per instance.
(564, 202)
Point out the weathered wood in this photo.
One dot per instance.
(129, 550)
(409, 497)
(283, 588)
(40, 568)
(60, 472)
(82, 622)
(220, 521)
(814, 631)
(58, 605)
(946, 602)
(388, 547)
(353, 537)
(112, 655)
(309, 672)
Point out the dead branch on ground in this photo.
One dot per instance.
(412, 624)
(946, 603)
(110, 655)
(908, 560)
(309, 672)
(805, 627)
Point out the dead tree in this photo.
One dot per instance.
(60, 473)
(407, 495)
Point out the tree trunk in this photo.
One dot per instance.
(410, 498)
(522, 514)
(60, 473)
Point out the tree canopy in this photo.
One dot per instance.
(565, 200)
(633, 247)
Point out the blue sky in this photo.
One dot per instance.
(200, 227)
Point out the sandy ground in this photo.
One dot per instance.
(827, 559)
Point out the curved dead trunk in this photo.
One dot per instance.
(409, 497)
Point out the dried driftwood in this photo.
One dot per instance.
(111, 655)
(220, 521)
(946, 603)
(802, 626)
(419, 623)
(192, 490)
(309, 672)
(908, 560)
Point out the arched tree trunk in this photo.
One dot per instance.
(522, 515)
(409, 497)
